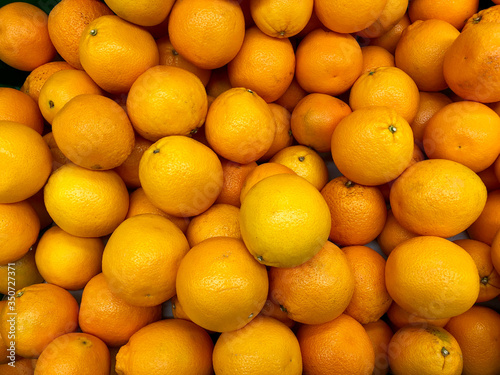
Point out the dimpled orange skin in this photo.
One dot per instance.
(17, 106)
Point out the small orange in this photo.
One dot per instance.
(17, 106)
(109, 317)
(74, 353)
(392, 13)
(399, 318)
(370, 299)
(380, 335)
(417, 350)
(488, 223)
(375, 57)
(372, 145)
(340, 346)
(273, 310)
(208, 33)
(166, 100)
(305, 163)
(314, 119)
(110, 41)
(35, 80)
(293, 94)
(170, 346)
(244, 352)
(283, 136)
(234, 177)
(390, 39)
(392, 234)
(25, 42)
(328, 62)
(455, 12)
(141, 259)
(358, 212)
(326, 277)
(26, 273)
(129, 169)
(143, 13)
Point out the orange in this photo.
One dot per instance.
(489, 279)
(305, 163)
(141, 259)
(392, 234)
(220, 286)
(74, 353)
(109, 317)
(292, 95)
(19, 227)
(235, 175)
(259, 173)
(166, 100)
(467, 64)
(74, 194)
(139, 204)
(264, 64)
(431, 277)
(43, 312)
(26, 169)
(66, 22)
(314, 119)
(177, 310)
(358, 212)
(328, 62)
(129, 169)
(283, 136)
(326, 277)
(375, 57)
(240, 125)
(386, 86)
(35, 80)
(219, 82)
(464, 132)
(207, 33)
(390, 39)
(428, 105)
(273, 310)
(284, 221)
(25, 43)
(424, 350)
(380, 335)
(16, 106)
(66, 260)
(143, 13)
(26, 273)
(370, 299)
(399, 318)
(485, 15)
(477, 331)
(109, 41)
(437, 197)
(171, 346)
(180, 176)
(61, 87)
(488, 223)
(169, 56)
(244, 352)
(348, 16)
(372, 145)
(421, 49)
(340, 346)
(495, 251)
(489, 178)
(24, 366)
(220, 220)
(455, 12)
(392, 13)
(281, 19)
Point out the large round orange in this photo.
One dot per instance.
(141, 259)
(375, 57)
(43, 312)
(74, 194)
(170, 346)
(421, 49)
(340, 346)
(437, 197)
(283, 136)
(17, 106)
(392, 234)
(386, 86)
(35, 80)
(240, 125)
(326, 277)
(208, 33)
(26, 273)
(26, 161)
(392, 13)
(181, 176)
(166, 100)
(115, 52)
(399, 318)
(328, 62)
(142, 12)
(220, 285)
(264, 64)
(358, 212)
(74, 352)
(244, 351)
(464, 132)
(109, 317)
(432, 277)
(25, 42)
(455, 12)
(129, 169)
(488, 222)
(372, 145)
(235, 175)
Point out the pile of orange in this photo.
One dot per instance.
(250, 187)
